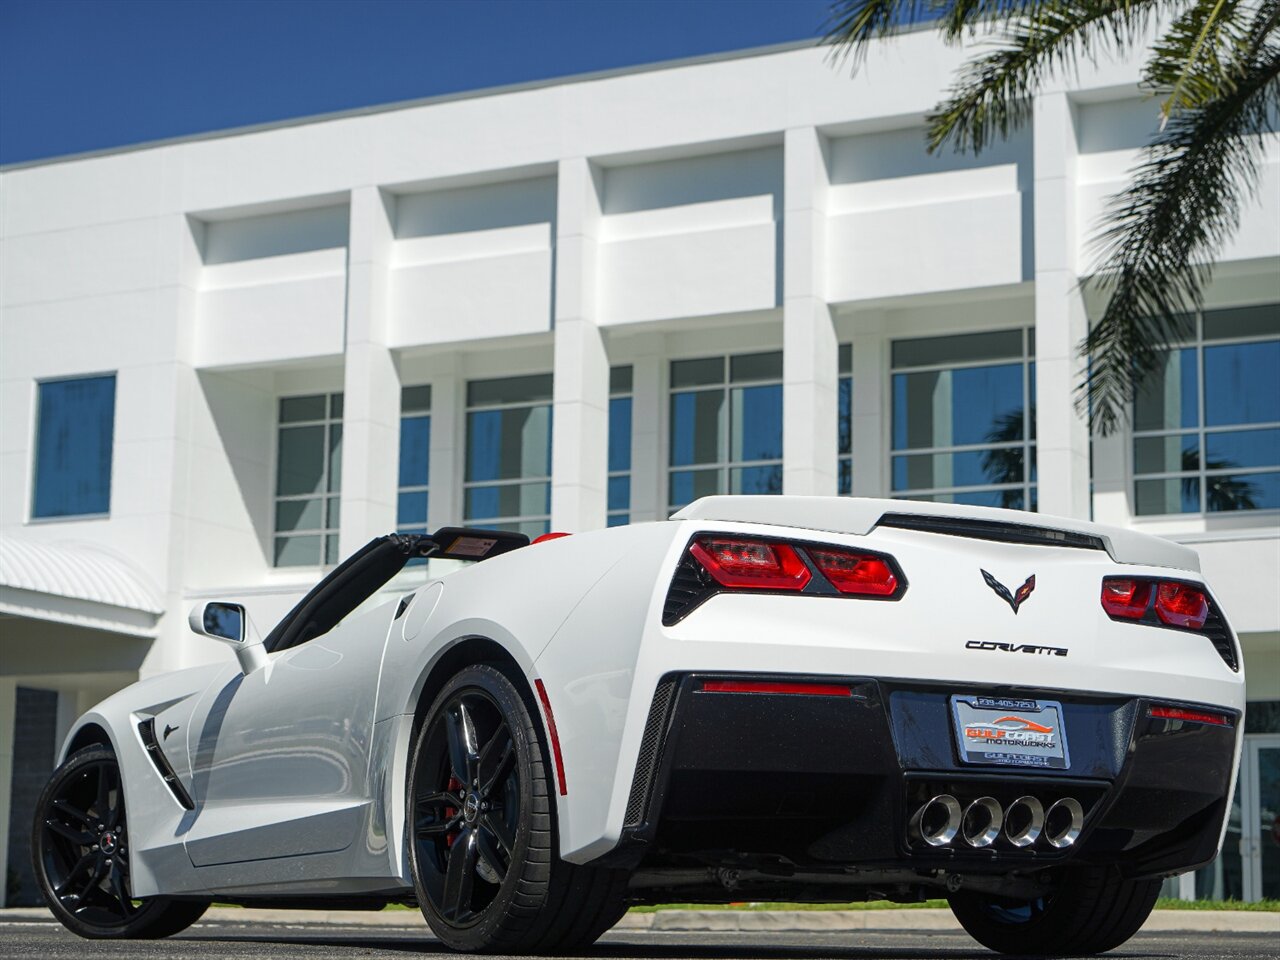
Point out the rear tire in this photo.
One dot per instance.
(1094, 910)
(482, 828)
(80, 853)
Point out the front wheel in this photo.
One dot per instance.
(1092, 911)
(482, 838)
(80, 852)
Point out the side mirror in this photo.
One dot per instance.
(229, 623)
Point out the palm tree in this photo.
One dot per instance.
(1216, 63)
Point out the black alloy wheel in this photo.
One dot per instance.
(481, 827)
(467, 805)
(80, 851)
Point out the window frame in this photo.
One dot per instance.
(723, 464)
(1029, 444)
(1200, 431)
(34, 433)
(324, 531)
(505, 522)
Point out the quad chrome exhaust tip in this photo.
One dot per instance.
(1062, 823)
(1024, 821)
(982, 822)
(937, 821)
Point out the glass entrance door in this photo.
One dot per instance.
(1260, 809)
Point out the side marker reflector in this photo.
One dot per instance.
(1192, 716)
(777, 687)
(555, 737)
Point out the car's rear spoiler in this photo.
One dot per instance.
(859, 516)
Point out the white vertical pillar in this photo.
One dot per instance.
(8, 723)
(1062, 433)
(448, 439)
(872, 406)
(371, 383)
(810, 361)
(580, 424)
(648, 473)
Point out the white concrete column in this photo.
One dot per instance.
(1061, 322)
(371, 383)
(8, 722)
(580, 424)
(872, 407)
(648, 458)
(448, 445)
(810, 361)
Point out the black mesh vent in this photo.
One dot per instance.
(650, 752)
(1215, 628)
(690, 585)
(992, 530)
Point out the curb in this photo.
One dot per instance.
(714, 921)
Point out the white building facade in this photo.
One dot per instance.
(230, 360)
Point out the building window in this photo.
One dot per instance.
(75, 422)
(1206, 422)
(963, 419)
(415, 459)
(726, 426)
(308, 480)
(619, 504)
(845, 400)
(508, 471)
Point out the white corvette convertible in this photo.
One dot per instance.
(763, 698)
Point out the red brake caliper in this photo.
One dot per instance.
(453, 786)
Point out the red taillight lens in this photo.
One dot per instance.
(868, 576)
(1122, 597)
(1192, 716)
(778, 687)
(751, 564)
(1180, 605)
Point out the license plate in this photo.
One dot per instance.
(1010, 732)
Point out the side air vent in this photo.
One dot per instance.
(992, 530)
(147, 730)
(1219, 634)
(650, 752)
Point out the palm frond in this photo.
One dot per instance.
(992, 95)
(1166, 227)
(1195, 59)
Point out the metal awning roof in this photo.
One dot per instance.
(75, 583)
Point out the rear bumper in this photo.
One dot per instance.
(828, 783)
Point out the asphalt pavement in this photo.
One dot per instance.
(368, 940)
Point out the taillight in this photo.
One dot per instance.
(751, 564)
(1175, 604)
(1181, 605)
(863, 574)
(778, 687)
(1123, 597)
(1191, 716)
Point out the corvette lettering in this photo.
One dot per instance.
(1016, 648)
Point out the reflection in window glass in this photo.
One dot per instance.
(1207, 420)
(507, 484)
(844, 399)
(964, 428)
(308, 480)
(75, 423)
(415, 461)
(726, 427)
(618, 505)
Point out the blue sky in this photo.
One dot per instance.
(87, 74)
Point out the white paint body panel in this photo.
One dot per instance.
(308, 755)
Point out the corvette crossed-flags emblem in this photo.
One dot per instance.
(1015, 599)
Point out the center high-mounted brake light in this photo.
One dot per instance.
(862, 574)
(784, 688)
(1176, 604)
(751, 564)
(1190, 716)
